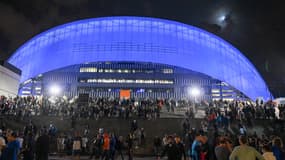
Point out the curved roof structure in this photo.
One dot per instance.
(139, 39)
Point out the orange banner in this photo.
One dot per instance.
(125, 94)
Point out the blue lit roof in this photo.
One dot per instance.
(139, 39)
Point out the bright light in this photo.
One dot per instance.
(54, 90)
(195, 91)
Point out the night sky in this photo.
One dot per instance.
(255, 27)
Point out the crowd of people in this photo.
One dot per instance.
(34, 142)
(206, 142)
(29, 146)
(222, 134)
(149, 108)
(216, 143)
(95, 108)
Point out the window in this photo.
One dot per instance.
(128, 81)
(88, 69)
(167, 71)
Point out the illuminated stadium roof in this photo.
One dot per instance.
(139, 39)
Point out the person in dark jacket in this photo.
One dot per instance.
(113, 143)
(119, 146)
(42, 146)
(130, 142)
(181, 148)
(28, 147)
(156, 145)
(171, 150)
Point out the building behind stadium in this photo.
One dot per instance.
(9, 80)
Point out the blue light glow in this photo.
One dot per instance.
(139, 39)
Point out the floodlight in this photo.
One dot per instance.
(195, 91)
(54, 90)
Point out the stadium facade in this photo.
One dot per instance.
(151, 57)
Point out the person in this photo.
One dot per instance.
(134, 125)
(204, 148)
(73, 122)
(245, 152)
(142, 136)
(277, 146)
(96, 147)
(84, 144)
(221, 150)
(119, 146)
(186, 126)
(86, 130)
(195, 149)
(130, 142)
(59, 143)
(181, 148)
(267, 153)
(106, 146)
(113, 143)
(10, 152)
(156, 145)
(2, 142)
(20, 139)
(42, 146)
(242, 129)
(77, 146)
(29, 147)
(171, 150)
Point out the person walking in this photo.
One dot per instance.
(245, 152)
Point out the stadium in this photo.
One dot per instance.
(135, 57)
